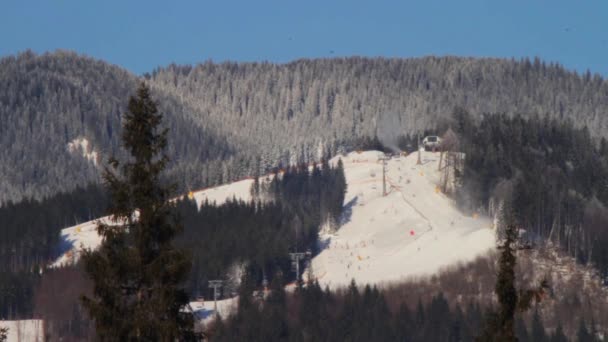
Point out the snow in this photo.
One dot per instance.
(76, 238)
(204, 311)
(30, 330)
(82, 145)
(240, 190)
(84, 235)
(413, 231)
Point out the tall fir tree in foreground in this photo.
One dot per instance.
(3, 334)
(505, 286)
(500, 325)
(137, 271)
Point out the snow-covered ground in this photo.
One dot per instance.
(413, 231)
(30, 330)
(240, 190)
(204, 311)
(84, 235)
(76, 238)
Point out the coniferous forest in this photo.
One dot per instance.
(224, 117)
(257, 237)
(554, 175)
(363, 313)
(314, 314)
(29, 240)
(550, 170)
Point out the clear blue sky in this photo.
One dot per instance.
(140, 35)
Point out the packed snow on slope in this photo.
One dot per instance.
(30, 330)
(413, 231)
(76, 238)
(240, 190)
(205, 312)
(84, 235)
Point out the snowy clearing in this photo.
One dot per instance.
(76, 238)
(204, 311)
(240, 190)
(30, 330)
(413, 231)
(84, 235)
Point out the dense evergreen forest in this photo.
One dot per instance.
(263, 232)
(231, 120)
(48, 101)
(257, 237)
(29, 239)
(554, 174)
(363, 314)
(286, 217)
(224, 118)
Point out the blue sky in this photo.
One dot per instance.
(141, 35)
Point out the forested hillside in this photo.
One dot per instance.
(259, 236)
(50, 100)
(554, 175)
(275, 107)
(229, 120)
(29, 240)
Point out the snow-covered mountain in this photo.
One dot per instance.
(225, 119)
(415, 230)
(413, 233)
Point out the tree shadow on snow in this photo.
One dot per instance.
(347, 212)
(203, 313)
(65, 244)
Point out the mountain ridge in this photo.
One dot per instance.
(229, 120)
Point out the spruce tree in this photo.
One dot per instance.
(520, 330)
(583, 334)
(558, 335)
(500, 326)
(137, 271)
(505, 286)
(3, 334)
(538, 330)
(274, 325)
(402, 323)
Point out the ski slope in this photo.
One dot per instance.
(413, 231)
(205, 311)
(76, 238)
(84, 236)
(30, 330)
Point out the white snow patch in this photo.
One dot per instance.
(413, 231)
(76, 238)
(82, 146)
(240, 190)
(204, 311)
(84, 235)
(31, 330)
